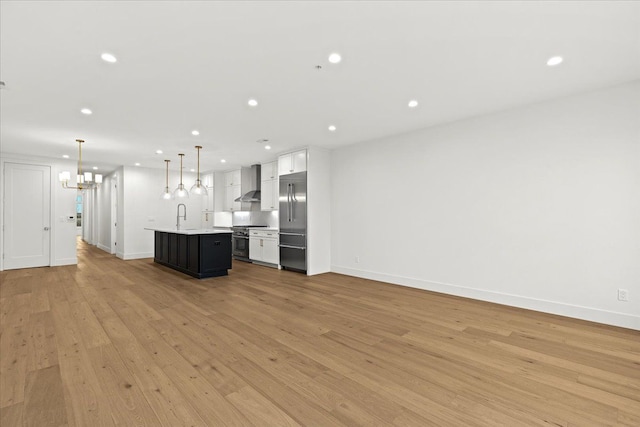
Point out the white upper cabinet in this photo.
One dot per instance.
(269, 195)
(269, 171)
(231, 194)
(269, 184)
(292, 162)
(232, 178)
(232, 189)
(208, 200)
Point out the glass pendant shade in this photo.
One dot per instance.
(198, 189)
(167, 194)
(181, 192)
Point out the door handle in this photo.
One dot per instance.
(293, 200)
(293, 247)
(46, 229)
(289, 202)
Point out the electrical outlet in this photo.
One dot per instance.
(623, 295)
(357, 260)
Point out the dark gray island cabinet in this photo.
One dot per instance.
(198, 253)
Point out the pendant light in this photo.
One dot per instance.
(181, 192)
(167, 194)
(198, 189)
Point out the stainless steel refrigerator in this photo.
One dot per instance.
(293, 221)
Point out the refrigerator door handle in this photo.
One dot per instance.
(293, 247)
(289, 202)
(293, 200)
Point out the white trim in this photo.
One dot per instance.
(137, 256)
(65, 261)
(104, 248)
(585, 313)
(120, 254)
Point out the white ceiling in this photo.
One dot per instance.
(193, 65)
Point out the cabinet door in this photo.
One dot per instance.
(232, 178)
(231, 194)
(193, 253)
(285, 164)
(270, 252)
(236, 191)
(299, 159)
(183, 251)
(208, 201)
(208, 180)
(269, 197)
(255, 249)
(269, 171)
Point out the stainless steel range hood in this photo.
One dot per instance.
(250, 186)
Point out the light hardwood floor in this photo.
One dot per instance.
(132, 343)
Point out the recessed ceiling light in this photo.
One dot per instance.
(158, 151)
(334, 58)
(554, 60)
(192, 170)
(223, 161)
(107, 57)
(86, 111)
(413, 103)
(95, 168)
(332, 128)
(66, 156)
(267, 147)
(137, 164)
(252, 102)
(195, 132)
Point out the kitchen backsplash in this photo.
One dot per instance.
(269, 218)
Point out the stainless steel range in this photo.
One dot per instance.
(240, 241)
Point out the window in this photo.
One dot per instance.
(79, 210)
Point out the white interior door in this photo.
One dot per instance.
(27, 207)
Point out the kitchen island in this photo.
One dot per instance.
(199, 253)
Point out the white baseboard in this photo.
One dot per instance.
(137, 256)
(585, 313)
(64, 261)
(104, 248)
(120, 254)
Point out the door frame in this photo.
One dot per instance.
(114, 213)
(52, 183)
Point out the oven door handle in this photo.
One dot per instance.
(241, 237)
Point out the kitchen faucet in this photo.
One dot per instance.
(184, 216)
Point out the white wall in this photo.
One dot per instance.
(318, 211)
(536, 207)
(142, 207)
(63, 231)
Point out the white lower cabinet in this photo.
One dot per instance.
(263, 246)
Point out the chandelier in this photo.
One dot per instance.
(85, 180)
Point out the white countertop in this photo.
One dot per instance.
(264, 228)
(190, 231)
